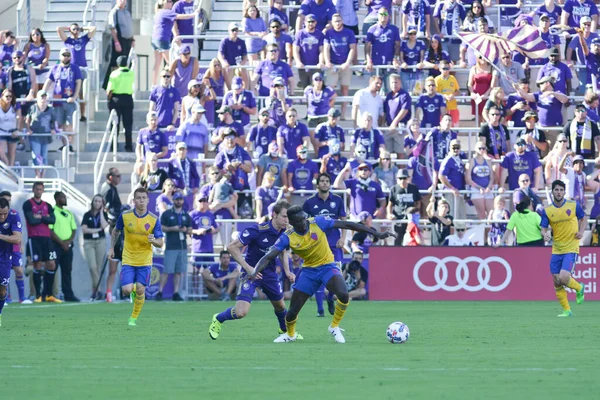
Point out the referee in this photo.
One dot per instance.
(119, 93)
(527, 223)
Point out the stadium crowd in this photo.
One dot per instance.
(241, 144)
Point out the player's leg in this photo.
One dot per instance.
(239, 311)
(337, 285)
(556, 263)
(338, 257)
(566, 278)
(296, 303)
(19, 276)
(141, 280)
(33, 253)
(319, 296)
(50, 271)
(4, 282)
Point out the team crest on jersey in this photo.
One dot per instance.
(147, 226)
(6, 225)
(246, 286)
(568, 212)
(332, 204)
(314, 236)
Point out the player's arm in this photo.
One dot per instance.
(582, 220)
(235, 249)
(114, 238)
(157, 238)
(32, 219)
(49, 219)
(15, 238)
(285, 263)
(355, 226)
(266, 260)
(545, 224)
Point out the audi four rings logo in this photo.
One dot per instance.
(484, 273)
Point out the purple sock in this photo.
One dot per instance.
(281, 318)
(227, 315)
(330, 296)
(2, 301)
(21, 287)
(319, 296)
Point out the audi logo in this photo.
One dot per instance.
(440, 274)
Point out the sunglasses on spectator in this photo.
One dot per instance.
(317, 79)
(385, 159)
(364, 169)
(66, 55)
(562, 141)
(431, 85)
(460, 230)
(445, 69)
(273, 51)
(384, 14)
(494, 115)
(274, 27)
(401, 178)
(455, 147)
(525, 180)
(588, 24)
(36, 34)
(581, 110)
(412, 33)
(311, 21)
(117, 176)
(166, 76)
(234, 30)
(481, 148)
(214, 173)
(16, 58)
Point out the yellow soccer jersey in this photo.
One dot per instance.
(137, 251)
(564, 221)
(312, 247)
(446, 87)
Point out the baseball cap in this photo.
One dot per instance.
(581, 105)
(546, 79)
(202, 198)
(310, 17)
(596, 40)
(521, 141)
(122, 61)
(192, 83)
(554, 52)
(530, 114)
(317, 75)
(545, 16)
(263, 111)
(230, 132)
(412, 28)
(223, 110)
(233, 25)
(65, 50)
(181, 145)
(278, 81)
(41, 93)
(334, 113)
(363, 215)
(237, 83)
(177, 195)
(402, 173)
(152, 114)
(460, 225)
(185, 49)
(17, 53)
(198, 108)
(364, 165)
(578, 157)
(585, 20)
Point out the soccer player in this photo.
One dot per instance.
(142, 230)
(568, 222)
(308, 239)
(259, 238)
(10, 235)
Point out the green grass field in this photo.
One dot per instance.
(457, 350)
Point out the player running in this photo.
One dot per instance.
(259, 238)
(308, 239)
(568, 222)
(142, 230)
(10, 235)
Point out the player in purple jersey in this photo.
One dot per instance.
(258, 239)
(16, 259)
(10, 235)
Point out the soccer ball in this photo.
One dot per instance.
(397, 332)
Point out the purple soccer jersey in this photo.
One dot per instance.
(267, 71)
(218, 272)
(577, 11)
(325, 132)
(371, 140)
(65, 79)
(453, 169)
(165, 99)
(268, 196)
(561, 74)
(318, 105)
(322, 12)
(152, 141)
(423, 170)
(412, 55)
(233, 51)
(549, 110)
(281, 43)
(202, 220)
(335, 167)
(517, 164)
(431, 106)
(340, 44)
(383, 41)
(303, 174)
(11, 225)
(246, 98)
(364, 196)
(396, 102)
(77, 47)
(293, 136)
(309, 44)
(261, 136)
(518, 115)
(239, 179)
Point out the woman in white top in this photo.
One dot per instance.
(10, 123)
(192, 98)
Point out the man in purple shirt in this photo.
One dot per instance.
(452, 175)
(282, 40)
(241, 102)
(397, 105)
(576, 47)
(226, 123)
(521, 162)
(430, 106)
(232, 52)
(270, 69)
(204, 225)
(10, 235)
(574, 10)
(333, 163)
(439, 139)
(261, 135)
(365, 193)
(301, 173)
(517, 106)
(235, 160)
(308, 50)
(152, 140)
(323, 10)
(165, 100)
(373, 6)
(382, 45)
(291, 135)
(329, 131)
(184, 26)
(559, 71)
(221, 279)
(66, 79)
(278, 103)
(183, 171)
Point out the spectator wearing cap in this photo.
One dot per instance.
(301, 173)
(265, 195)
(431, 105)
(396, 108)
(362, 241)
(452, 176)
(308, 50)
(177, 225)
(320, 99)
(557, 70)
(339, 49)
(550, 9)
(241, 102)
(10, 125)
(552, 40)
(120, 24)
(278, 102)
(291, 135)
(65, 77)
(365, 193)
(534, 137)
(592, 64)
(165, 100)
(574, 11)
(232, 52)
(525, 190)
(417, 14)
(40, 120)
(22, 80)
(368, 100)
(516, 106)
(184, 26)
(150, 140)
(270, 69)
(236, 161)
(577, 180)
(508, 71)
(77, 45)
(412, 53)
(322, 10)
(479, 175)
(183, 171)
(192, 99)
(261, 135)
(194, 133)
(329, 130)
(204, 225)
(360, 156)
(519, 162)
(226, 124)
(120, 98)
(495, 135)
(403, 195)
(333, 163)
(255, 28)
(282, 40)
(576, 46)
(183, 70)
(271, 162)
(583, 135)
(382, 45)
(549, 103)
(459, 237)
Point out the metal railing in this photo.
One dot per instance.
(109, 137)
(58, 185)
(23, 26)
(9, 175)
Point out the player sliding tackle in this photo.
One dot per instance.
(142, 231)
(307, 238)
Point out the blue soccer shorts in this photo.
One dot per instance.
(559, 262)
(139, 275)
(5, 268)
(269, 284)
(312, 279)
(15, 260)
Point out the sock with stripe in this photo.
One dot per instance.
(48, 282)
(138, 303)
(340, 310)
(561, 295)
(573, 284)
(291, 327)
(20, 282)
(37, 283)
(227, 315)
(281, 318)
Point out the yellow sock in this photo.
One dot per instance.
(561, 295)
(138, 303)
(291, 326)
(573, 284)
(340, 310)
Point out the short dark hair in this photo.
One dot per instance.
(280, 205)
(110, 172)
(224, 252)
(4, 203)
(523, 204)
(323, 174)
(293, 210)
(38, 183)
(560, 183)
(494, 107)
(5, 193)
(140, 190)
(58, 193)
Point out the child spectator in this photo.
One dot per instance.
(222, 193)
(498, 228)
(413, 236)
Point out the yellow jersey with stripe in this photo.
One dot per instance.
(564, 221)
(312, 247)
(137, 251)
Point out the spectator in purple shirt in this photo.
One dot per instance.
(77, 44)
(183, 171)
(365, 193)
(255, 27)
(184, 26)
(550, 9)
(204, 225)
(320, 100)
(416, 13)
(265, 195)
(382, 45)
(261, 135)
(270, 69)
(412, 53)
(278, 103)
(329, 130)
(323, 10)
(282, 40)
(291, 135)
(430, 106)
(224, 126)
(559, 71)
(165, 100)
(241, 102)
(65, 77)
(517, 106)
(396, 107)
(232, 52)
(150, 140)
(575, 10)
(301, 174)
(369, 137)
(308, 50)
(333, 163)
(519, 162)
(452, 175)
(585, 37)
(277, 12)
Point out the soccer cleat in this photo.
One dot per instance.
(132, 321)
(26, 301)
(337, 334)
(320, 314)
(581, 294)
(38, 299)
(158, 296)
(566, 313)
(331, 307)
(298, 336)
(215, 328)
(284, 338)
(52, 299)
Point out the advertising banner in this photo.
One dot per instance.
(472, 273)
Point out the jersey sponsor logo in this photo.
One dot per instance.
(6, 225)
(246, 234)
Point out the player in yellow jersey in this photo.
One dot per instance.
(568, 222)
(307, 238)
(142, 230)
